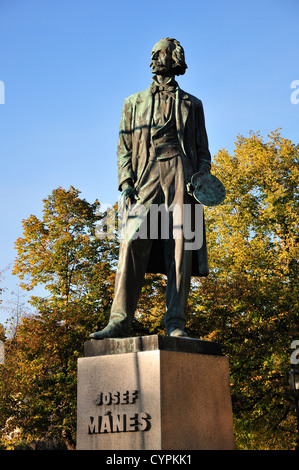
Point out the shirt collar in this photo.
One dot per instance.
(171, 85)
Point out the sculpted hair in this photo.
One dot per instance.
(178, 56)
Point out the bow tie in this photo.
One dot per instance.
(165, 87)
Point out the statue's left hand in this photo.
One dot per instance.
(204, 168)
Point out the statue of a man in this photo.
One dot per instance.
(162, 143)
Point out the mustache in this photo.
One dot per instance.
(157, 64)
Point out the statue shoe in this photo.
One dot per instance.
(178, 333)
(112, 330)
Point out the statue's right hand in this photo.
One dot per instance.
(127, 187)
(127, 192)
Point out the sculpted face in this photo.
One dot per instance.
(161, 58)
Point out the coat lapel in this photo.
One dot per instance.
(145, 104)
(183, 104)
(145, 111)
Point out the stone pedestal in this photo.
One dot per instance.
(153, 393)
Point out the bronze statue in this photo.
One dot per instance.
(162, 145)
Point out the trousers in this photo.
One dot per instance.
(162, 184)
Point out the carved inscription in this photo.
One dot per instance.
(114, 420)
(117, 398)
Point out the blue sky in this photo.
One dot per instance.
(68, 65)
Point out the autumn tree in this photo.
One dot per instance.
(249, 302)
(76, 269)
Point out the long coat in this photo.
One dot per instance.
(133, 153)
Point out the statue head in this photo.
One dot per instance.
(168, 58)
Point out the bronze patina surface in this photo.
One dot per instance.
(162, 144)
